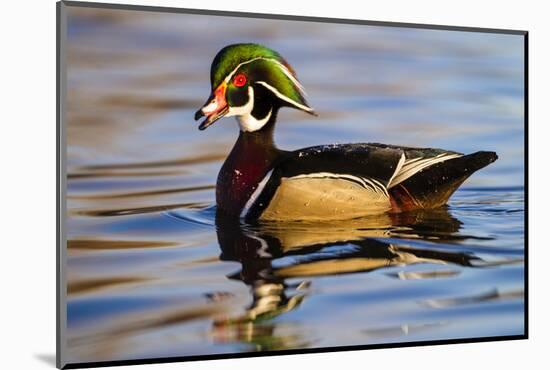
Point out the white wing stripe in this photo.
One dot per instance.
(397, 169)
(381, 186)
(255, 194)
(377, 186)
(413, 166)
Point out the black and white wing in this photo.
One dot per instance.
(427, 177)
(354, 180)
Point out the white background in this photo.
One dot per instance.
(27, 146)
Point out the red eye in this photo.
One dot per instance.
(239, 80)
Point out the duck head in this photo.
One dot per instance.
(251, 82)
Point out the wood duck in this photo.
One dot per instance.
(258, 181)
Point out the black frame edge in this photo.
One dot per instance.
(225, 13)
(57, 186)
(526, 180)
(61, 33)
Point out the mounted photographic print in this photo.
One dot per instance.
(235, 184)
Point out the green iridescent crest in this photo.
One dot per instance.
(231, 56)
(262, 66)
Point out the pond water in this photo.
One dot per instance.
(152, 274)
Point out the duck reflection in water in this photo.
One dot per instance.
(271, 254)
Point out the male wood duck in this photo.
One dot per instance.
(258, 181)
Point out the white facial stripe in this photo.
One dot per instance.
(228, 77)
(279, 64)
(290, 76)
(284, 97)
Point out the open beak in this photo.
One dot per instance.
(215, 107)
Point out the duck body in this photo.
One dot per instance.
(258, 181)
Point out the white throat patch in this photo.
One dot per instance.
(247, 122)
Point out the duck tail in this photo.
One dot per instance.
(433, 186)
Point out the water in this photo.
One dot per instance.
(152, 274)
